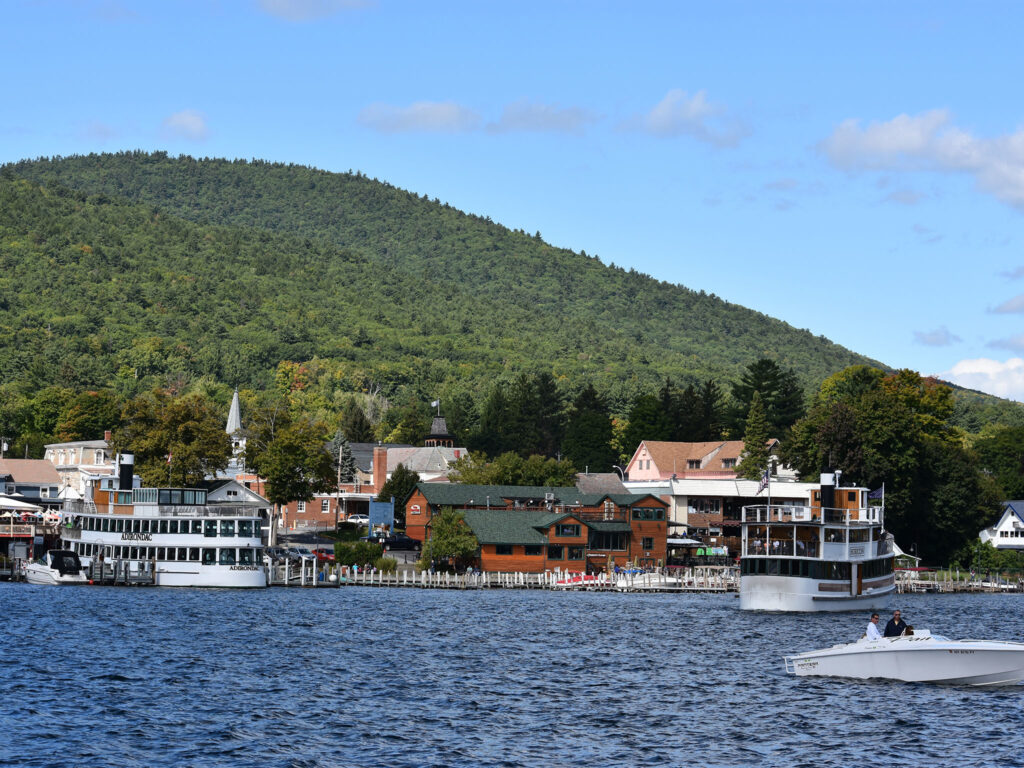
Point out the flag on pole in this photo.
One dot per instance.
(435, 403)
(877, 494)
(764, 481)
(168, 457)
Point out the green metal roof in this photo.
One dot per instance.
(609, 526)
(460, 495)
(510, 526)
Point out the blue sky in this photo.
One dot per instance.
(856, 169)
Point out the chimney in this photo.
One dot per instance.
(125, 471)
(380, 467)
(106, 435)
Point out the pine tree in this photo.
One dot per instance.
(755, 441)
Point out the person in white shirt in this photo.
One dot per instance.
(872, 631)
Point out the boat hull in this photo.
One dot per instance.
(790, 594)
(919, 660)
(44, 575)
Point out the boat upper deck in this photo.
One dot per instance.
(812, 515)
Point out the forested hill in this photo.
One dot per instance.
(144, 266)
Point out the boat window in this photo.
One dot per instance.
(120, 526)
(144, 526)
(182, 553)
(245, 527)
(193, 554)
(773, 567)
(245, 556)
(163, 526)
(835, 535)
(210, 529)
(190, 497)
(176, 497)
(133, 553)
(172, 526)
(172, 553)
(227, 527)
(105, 527)
(161, 553)
(860, 534)
(227, 557)
(209, 556)
(197, 526)
(165, 496)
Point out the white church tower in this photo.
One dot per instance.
(234, 428)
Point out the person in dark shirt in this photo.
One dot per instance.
(895, 627)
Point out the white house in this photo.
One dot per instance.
(1008, 533)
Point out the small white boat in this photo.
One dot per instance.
(918, 658)
(631, 581)
(58, 566)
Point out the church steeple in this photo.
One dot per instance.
(234, 416)
(234, 430)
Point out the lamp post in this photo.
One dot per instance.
(622, 474)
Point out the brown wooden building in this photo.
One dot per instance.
(535, 529)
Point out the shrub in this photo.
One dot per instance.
(356, 552)
(386, 564)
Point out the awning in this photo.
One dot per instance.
(685, 543)
(6, 502)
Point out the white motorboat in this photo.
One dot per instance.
(57, 566)
(631, 581)
(918, 658)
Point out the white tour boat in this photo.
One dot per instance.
(57, 566)
(173, 533)
(833, 555)
(918, 658)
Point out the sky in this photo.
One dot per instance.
(855, 169)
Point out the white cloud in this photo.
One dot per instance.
(308, 10)
(941, 337)
(432, 116)
(186, 124)
(1014, 274)
(1014, 306)
(681, 115)
(992, 376)
(542, 118)
(931, 142)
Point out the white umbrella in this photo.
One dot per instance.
(15, 505)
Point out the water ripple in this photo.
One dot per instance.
(376, 677)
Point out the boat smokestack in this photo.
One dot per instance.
(828, 490)
(125, 471)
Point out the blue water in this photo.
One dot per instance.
(95, 676)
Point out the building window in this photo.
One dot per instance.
(556, 553)
(728, 463)
(648, 542)
(532, 550)
(648, 513)
(300, 507)
(567, 531)
(325, 506)
(693, 463)
(503, 549)
(575, 553)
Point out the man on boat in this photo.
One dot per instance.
(872, 632)
(896, 626)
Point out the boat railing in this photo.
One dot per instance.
(789, 513)
(782, 548)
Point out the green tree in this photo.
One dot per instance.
(354, 424)
(399, 486)
(588, 434)
(451, 543)
(780, 392)
(1001, 454)
(291, 455)
(755, 442)
(647, 421)
(512, 469)
(175, 440)
(341, 453)
(88, 415)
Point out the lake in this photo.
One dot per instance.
(102, 676)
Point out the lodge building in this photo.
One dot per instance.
(534, 529)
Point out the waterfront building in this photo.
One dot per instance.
(534, 529)
(1008, 532)
(80, 463)
(32, 480)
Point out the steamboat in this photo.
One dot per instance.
(831, 555)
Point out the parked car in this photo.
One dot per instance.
(358, 519)
(275, 554)
(301, 553)
(324, 556)
(395, 541)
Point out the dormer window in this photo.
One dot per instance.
(693, 463)
(728, 463)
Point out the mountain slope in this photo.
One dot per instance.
(245, 264)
